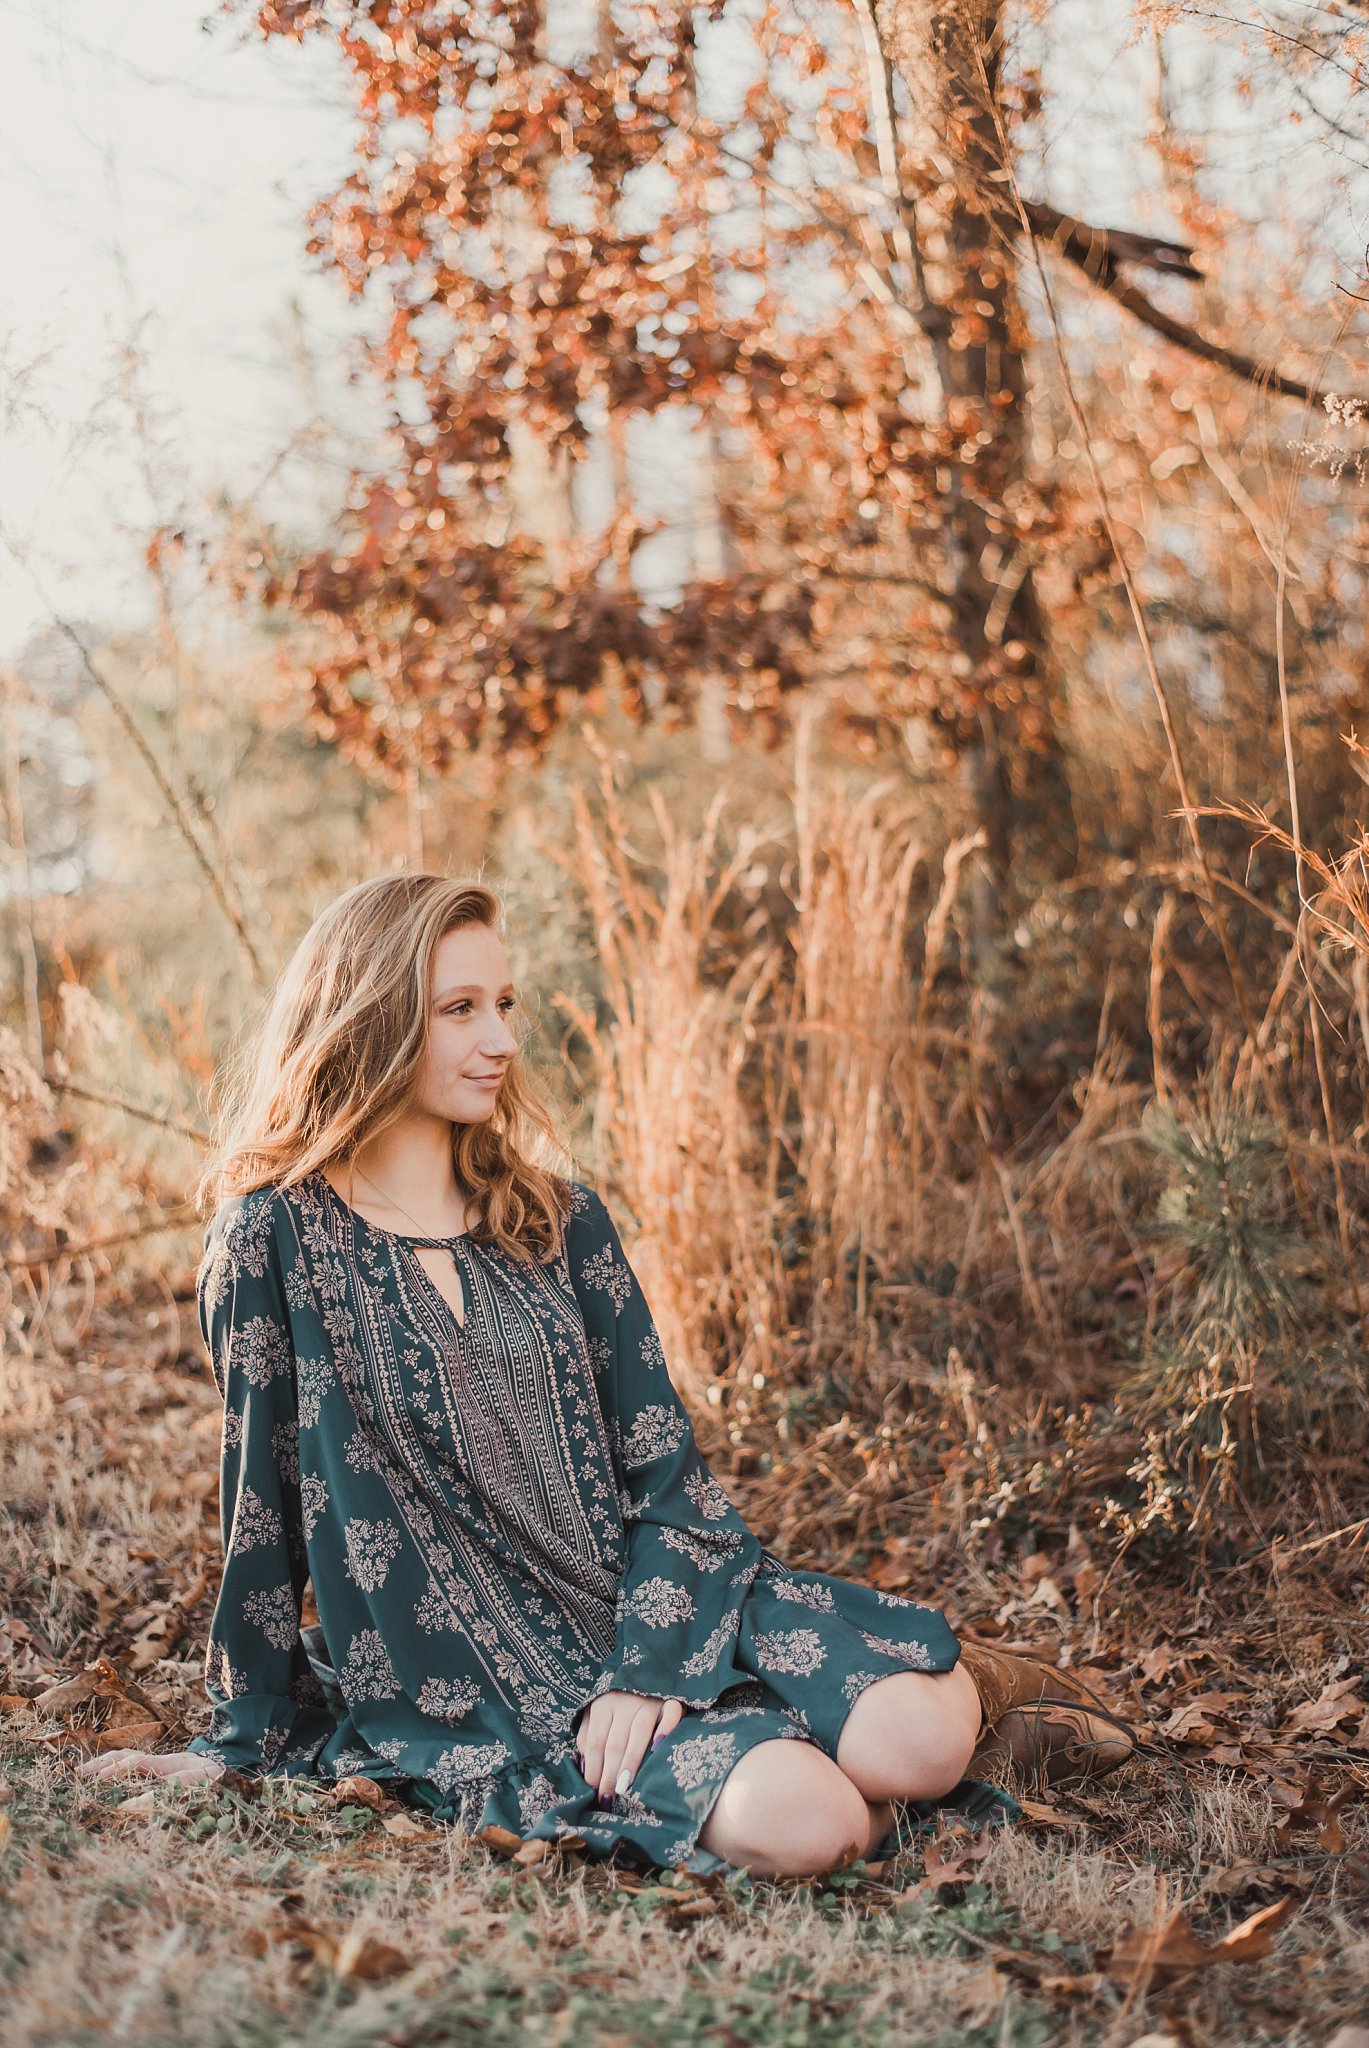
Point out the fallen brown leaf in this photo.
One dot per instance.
(980, 1994)
(360, 1792)
(1086, 1985)
(1173, 1946)
(1046, 1816)
(531, 1853)
(502, 1840)
(1339, 1702)
(402, 1825)
(1310, 1807)
(1253, 1940)
(366, 1959)
(105, 1710)
(1249, 1877)
(1156, 1663)
(296, 1928)
(696, 1909)
(139, 1806)
(144, 1734)
(158, 1639)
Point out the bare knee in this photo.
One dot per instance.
(911, 1735)
(786, 1810)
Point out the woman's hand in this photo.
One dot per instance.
(185, 1764)
(615, 1733)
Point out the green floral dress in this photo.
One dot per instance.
(501, 1519)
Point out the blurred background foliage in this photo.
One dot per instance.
(898, 648)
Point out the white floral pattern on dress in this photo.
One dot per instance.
(630, 1805)
(298, 1292)
(799, 1650)
(275, 1613)
(709, 1549)
(659, 1602)
(854, 1684)
(285, 1444)
(314, 1376)
(368, 1673)
(705, 1658)
(261, 1351)
(447, 1699)
(372, 1548)
(610, 1276)
(254, 1522)
(537, 1797)
(467, 1764)
(916, 1655)
(345, 1763)
(701, 1757)
(711, 1499)
(361, 1453)
(219, 1675)
(313, 1500)
(656, 1432)
(806, 1596)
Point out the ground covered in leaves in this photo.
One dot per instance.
(1215, 1892)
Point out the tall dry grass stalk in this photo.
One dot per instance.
(672, 1045)
(805, 1102)
(778, 1098)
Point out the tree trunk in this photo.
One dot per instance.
(964, 236)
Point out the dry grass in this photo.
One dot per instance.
(215, 1921)
(914, 1284)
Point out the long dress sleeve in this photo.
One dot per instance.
(690, 1557)
(268, 1715)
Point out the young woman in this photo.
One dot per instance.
(446, 1405)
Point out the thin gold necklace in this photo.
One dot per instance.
(458, 1313)
(354, 1168)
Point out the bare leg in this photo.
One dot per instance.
(786, 1810)
(911, 1735)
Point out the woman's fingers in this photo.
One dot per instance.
(672, 1713)
(146, 1763)
(589, 1745)
(596, 1730)
(616, 1733)
(118, 1763)
(192, 1768)
(626, 1746)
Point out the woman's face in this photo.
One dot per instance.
(470, 1043)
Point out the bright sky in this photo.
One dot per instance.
(164, 337)
(154, 171)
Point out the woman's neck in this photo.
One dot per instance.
(404, 1178)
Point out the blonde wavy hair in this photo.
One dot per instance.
(336, 1055)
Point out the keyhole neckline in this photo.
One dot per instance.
(402, 1236)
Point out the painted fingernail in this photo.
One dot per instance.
(657, 1740)
(621, 1783)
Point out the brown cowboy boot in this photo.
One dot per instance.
(1043, 1720)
